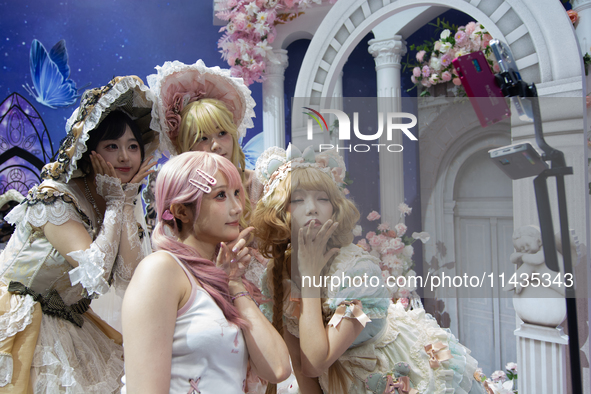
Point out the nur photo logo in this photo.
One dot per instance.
(392, 121)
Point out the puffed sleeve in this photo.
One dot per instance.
(357, 291)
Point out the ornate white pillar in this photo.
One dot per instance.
(388, 55)
(273, 101)
(541, 359)
(583, 29)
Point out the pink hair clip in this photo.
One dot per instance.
(204, 187)
(167, 215)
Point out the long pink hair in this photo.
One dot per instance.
(173, 187)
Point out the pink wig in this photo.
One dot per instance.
(173, 187)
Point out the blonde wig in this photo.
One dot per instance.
(272, 222)
(206, 117)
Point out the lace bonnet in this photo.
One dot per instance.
(127, 94)
(177, 84)
(275, 164)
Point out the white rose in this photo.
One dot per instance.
(357, 231)
(408, 251)
(446, 46)
(444, 34)
(435, 63)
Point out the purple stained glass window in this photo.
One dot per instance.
(25, 145)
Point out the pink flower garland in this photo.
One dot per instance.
(435, 60)
(247, 39)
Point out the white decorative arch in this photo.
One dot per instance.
(543, 54)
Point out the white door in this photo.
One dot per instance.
(483, 244)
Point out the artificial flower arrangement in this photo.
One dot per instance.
(434, 59)
(247, 39)
(394, 249)
(499, 381)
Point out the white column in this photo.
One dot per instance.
(387, 55)
(273, 101)
(583, 29)
(541, 359)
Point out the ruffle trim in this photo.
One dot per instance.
(6, 368)
(19, 316)
(454, 375)
(155, 82)
(75, 360)
(90, 270)
(93, 119)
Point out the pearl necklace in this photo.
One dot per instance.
(89, 197)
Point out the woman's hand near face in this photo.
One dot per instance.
(145, 170)
(101, 166)
(312, 253)
(234, 258)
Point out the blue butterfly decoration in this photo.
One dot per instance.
(253, 149)
(51, 76)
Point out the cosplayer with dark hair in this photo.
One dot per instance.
(76, 234)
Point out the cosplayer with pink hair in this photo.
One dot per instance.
(197, 327)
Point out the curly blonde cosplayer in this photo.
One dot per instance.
(272, 222)
(206, 117)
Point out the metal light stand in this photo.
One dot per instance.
(512, 86)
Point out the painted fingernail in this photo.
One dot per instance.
(232, 261)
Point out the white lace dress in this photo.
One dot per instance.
(65, 349)
(394, 342)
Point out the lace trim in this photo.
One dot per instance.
(93, 119)
(109, 188)
(155, 81)
(44, 204)
(18, 317)
(95, 263)
(6, 369)
(90, 270)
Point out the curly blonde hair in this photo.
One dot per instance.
(206, 117)
(272, 222)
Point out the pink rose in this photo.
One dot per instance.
(391, 234)
(400, 229)
(446, 60)
(470, 27)
(375, 241)
(338, 173)
(370, 235)
(457, 81)
(425, 82)
(496, 68)
(416, 72)
(460, 37)
(384, 226)
(393, 246)
(426, 71)
(322, 160)
(363, 245)
(420, 56)
(404, 301)
(373, 215)
(446, 76)
(413, 79)
(573, 15)
(498, 376)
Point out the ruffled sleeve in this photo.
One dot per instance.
(360, 293)
(44, 205)
(360, 279)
